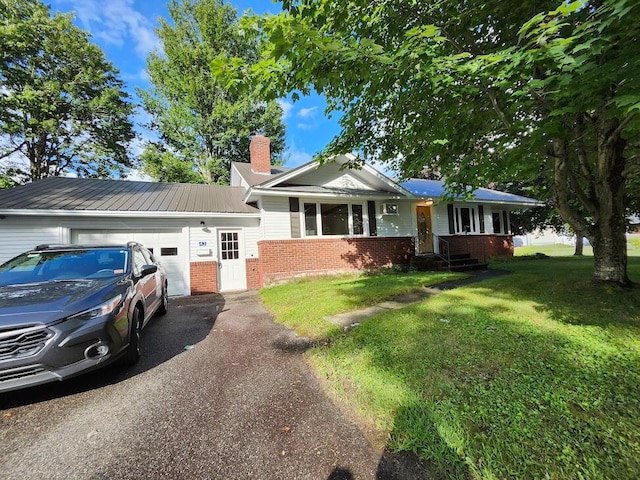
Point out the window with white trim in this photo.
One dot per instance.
(465, 219)
(500, 220)
(333, 219)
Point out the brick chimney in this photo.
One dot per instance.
(260, 154)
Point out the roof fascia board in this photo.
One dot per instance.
(491, 202)
(298, 193)
(289, 175)
(115, 213)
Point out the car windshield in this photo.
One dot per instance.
(45, 266)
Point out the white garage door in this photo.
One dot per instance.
(168, 246)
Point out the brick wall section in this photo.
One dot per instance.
(204, 277)
(482, 246)
(253, 273)
(289, 258)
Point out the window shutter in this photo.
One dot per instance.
(452, 228)
(505, 222)
(371, 211)
(481, 217)
(294, 214)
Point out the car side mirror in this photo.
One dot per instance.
(148, 270)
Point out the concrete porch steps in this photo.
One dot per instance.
(459, 262)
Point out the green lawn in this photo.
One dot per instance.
(559, 250)
(532, 375)
(302, 304)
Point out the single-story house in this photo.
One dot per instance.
(271, 223)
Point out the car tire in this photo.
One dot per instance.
(132, 354)
(164, 304)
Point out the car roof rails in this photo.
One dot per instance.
(46, 246)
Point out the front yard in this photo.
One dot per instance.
(535, 374)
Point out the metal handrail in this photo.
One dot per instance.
(446, 255)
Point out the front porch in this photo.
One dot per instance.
(462, 252)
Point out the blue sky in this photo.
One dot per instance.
(124, 29)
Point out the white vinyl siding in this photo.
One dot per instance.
(441, 223)
(199, 235)
(276, 221)
(400, 225)
(18, 236)
(330, 175)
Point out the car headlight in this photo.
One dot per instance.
(99, 310)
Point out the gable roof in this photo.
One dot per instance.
(436, 189)
(253, 178)
(56, 194)
(291, 181)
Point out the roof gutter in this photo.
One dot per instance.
(253, 192)
(120, 213)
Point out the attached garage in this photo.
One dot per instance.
(203, 235)
(170, 248)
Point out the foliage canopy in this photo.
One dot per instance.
(62, 106)
(480, 92)
(203, 125)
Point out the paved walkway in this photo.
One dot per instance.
(349, 320)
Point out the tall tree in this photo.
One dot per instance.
(481, 91)
(203, 125)
(62, 106)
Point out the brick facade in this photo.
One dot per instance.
(279, 259)
(204, 277)
(481, 246)
(253, 273)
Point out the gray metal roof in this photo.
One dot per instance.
(88, 194)
(436, 188)
(252, 178)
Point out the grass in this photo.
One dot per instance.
(302, 304)
(560, 250)
(556, 250)
(535, 374)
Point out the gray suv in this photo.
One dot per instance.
(69, 309)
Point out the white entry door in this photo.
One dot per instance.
(232, 268)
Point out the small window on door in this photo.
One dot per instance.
(169, 251)
(229, 246)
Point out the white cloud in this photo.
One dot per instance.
(307, 112)
(141, 76)
(296, 157)
(286, 107)
(138, 176)
(306, 126)
(116, 22)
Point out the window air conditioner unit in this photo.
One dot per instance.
(390, 209)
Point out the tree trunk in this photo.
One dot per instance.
(609, 241)
(605, 226)
(610, 258)
(579, 244)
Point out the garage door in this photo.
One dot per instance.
(168, 246)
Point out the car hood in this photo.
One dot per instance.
(48, 302)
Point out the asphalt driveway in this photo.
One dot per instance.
(221, 392)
